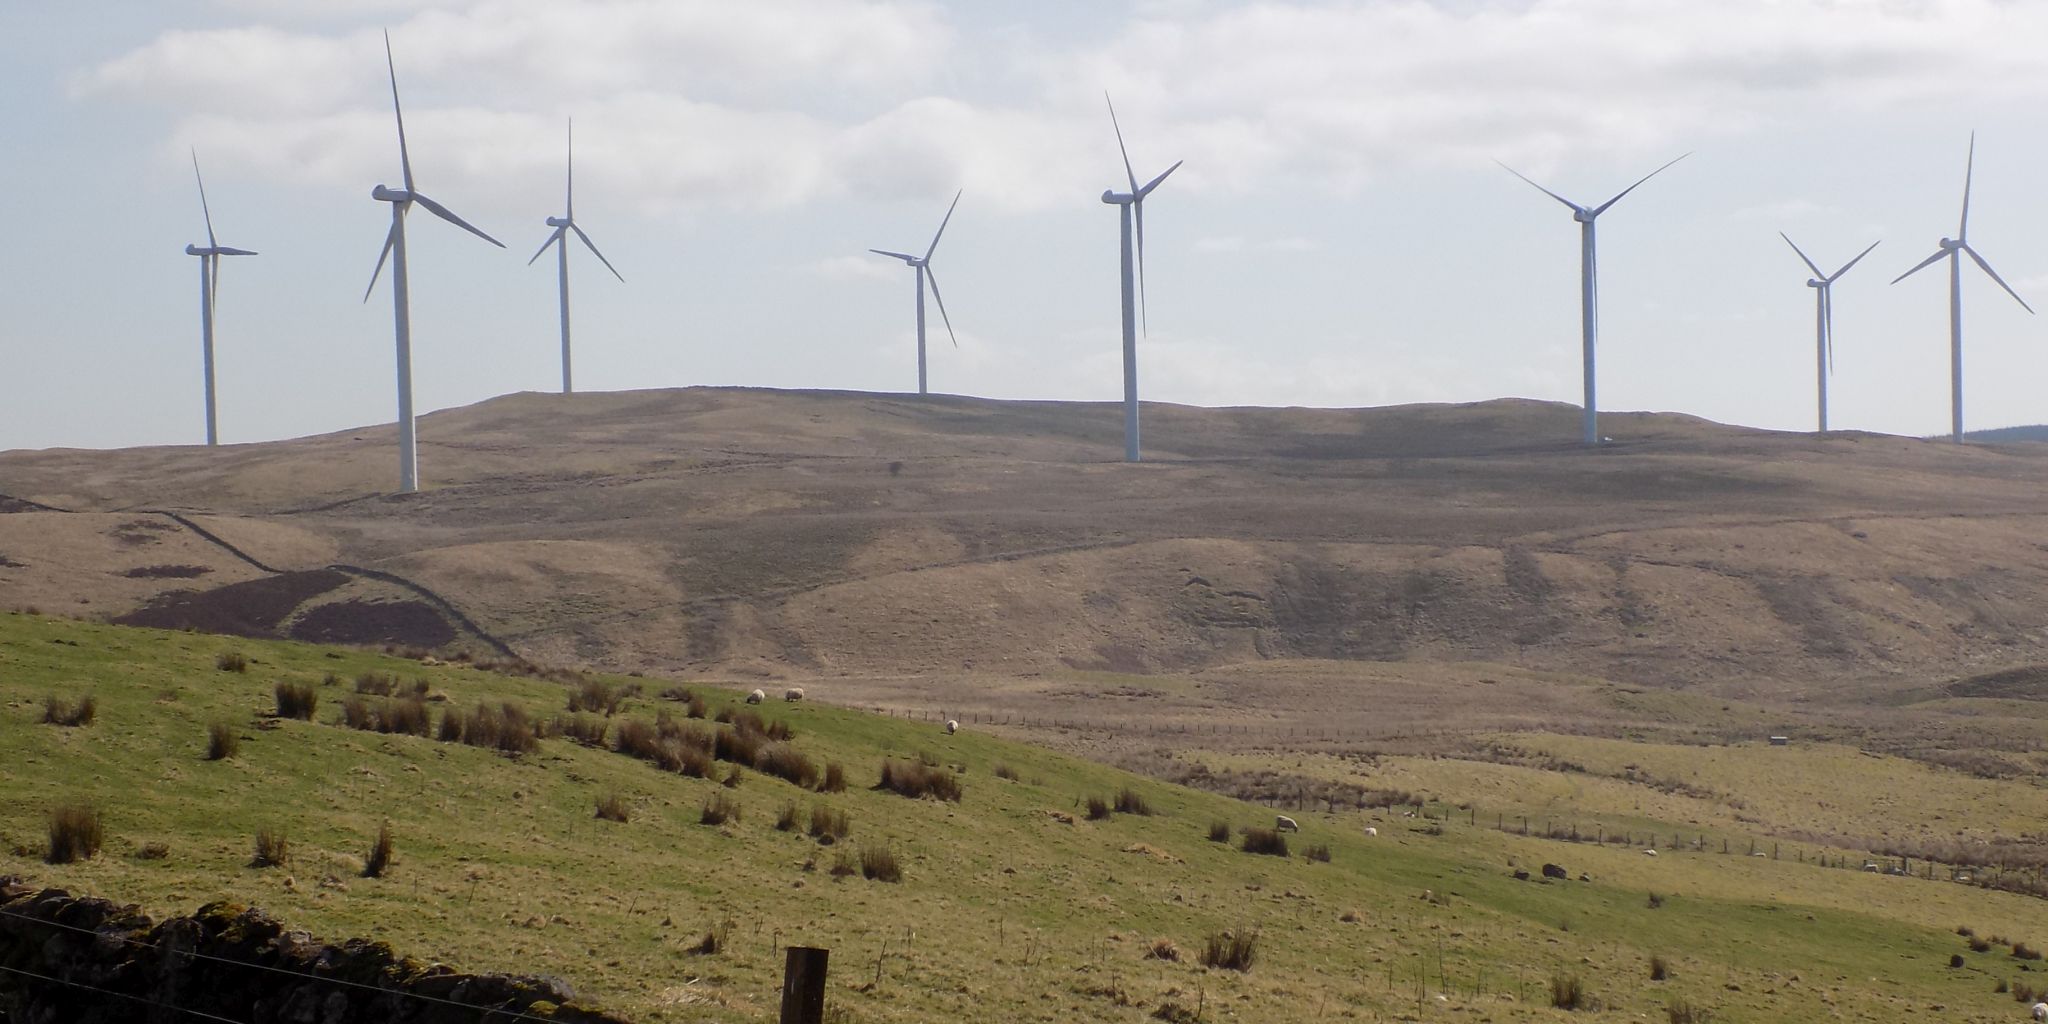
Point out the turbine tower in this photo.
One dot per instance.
(209, 283)
(1132, 206)
(1589, 272)
(402, 201)
(1823, 320)
(1953, 249)
(562, 225)
(925, 276)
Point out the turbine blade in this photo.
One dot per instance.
(1575, 207)
(1969, 173)
(1602, 208)
(1827, 320)
(1144, 314)
(942, 226)
(1851, 263)
(445, 214)
(552, 239)
(592, 246)
(933, 281)
(225, 251)
(1154, 183)
(1128, 172)
(1802, 255)
(213, 284)
(570, 201)
(203, 208)
(1986, 267)
(404, 156)
(390, 239)
(1922, 265)
(904, 256)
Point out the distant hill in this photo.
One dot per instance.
(2001, 435)
(968, 546)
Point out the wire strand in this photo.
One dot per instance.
(107, 991)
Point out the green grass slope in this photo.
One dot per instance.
(1004, 912)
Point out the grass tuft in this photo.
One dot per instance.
(917, 780)
(296, 701)
(1232, 950)
(1219, 831)
(834, 780)
(1128, 801)
(878, 864)
(1567, 992)
(1264, 841)
(61, 712)
(612, 807)
(1098, 808)
(719, 808)
(273, 849)
(1659, 970)
(75, 834)
(222, 741)
(378, 859)
(231, 661)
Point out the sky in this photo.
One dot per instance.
(1340, 234)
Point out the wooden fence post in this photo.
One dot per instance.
(803, 985)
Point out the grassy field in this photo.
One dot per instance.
(1004, 910)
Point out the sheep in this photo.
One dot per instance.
(952, 726)
(1283, 823)
(793, 693)
(1649, 853)
(1371, 831)
(756, 697)
(2041, 1011)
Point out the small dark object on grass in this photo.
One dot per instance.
(714, 939)
(732, 778)
(1319, 853)
(1654, 901)
(2022, 951)
(222, 742)
(844, 863)
(1163, 949)
(1098, 808)
(272, 849)
(1232, 950)
(1956, 960)
(612, 807)
(58, 711)
(1965, 930)
(1264, 840)
(231, 661)
(1004, 771)
(719, 809)
(1659, 970)
(378, 860)
(152, 851)
(1129, 802)
(296, 700)
(1219, 831)
(75, 834)
(835, 779)
(878, 863)
(1978, 945)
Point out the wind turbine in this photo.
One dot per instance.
(923, 266)
(209, 282)
(1133, 210)
(1823, 320)
(1589, 272)
(562, 225)
(402, 201)
(1952, 249)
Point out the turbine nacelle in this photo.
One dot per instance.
(560, 222)
(1952, 244)
(1811, 283)
(1583, 215)
(1115, 198)
(391, 195)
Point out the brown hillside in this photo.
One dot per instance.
(885, 538)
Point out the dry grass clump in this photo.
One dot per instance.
(1567, 992)
(1219, 831)
(1319, 853)
(1006, 772)
(505, 727)
(787, 763)
(2022, 951)
(384, 684)
(1678, 1011)
(696, 708)
(152, 851)
(786, 819)
(1978, 945)
(1098, 808)
(2024, 992)
(600, 697)
(845, 864)
(378, 859)
(737, 745)
(612, 807)
(1264, 841)
(296, 700)
(405, 716)
(834, 780)
(878, 864)
(719, 808)
(1233, 949)
(715, 938)
(828, 824)
(75, 834)
(583, 729)
(231, 661)
(1163, 949)
(1659, 970)
(58, 711)
(732, 778)
(1128, 801)
(222, 741)
(917, 780)
(272, 849)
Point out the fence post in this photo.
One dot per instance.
(803, 985)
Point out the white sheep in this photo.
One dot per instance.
(2041, 1011)
(1371, 831)
(793, 693)
(756, 697)
(952, 726)
(1283, 823)
(1649, 853)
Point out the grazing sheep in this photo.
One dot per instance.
(756, 697)
(952, 726)
(1371, 831)
(793, 693)
(1283, 823)
(2041, 1011)
(1649, 853)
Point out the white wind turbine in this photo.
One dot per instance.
(402, 201)
(925, 276)
(562, 225)
(1823, 320)
(1132, 206)
(209, 283)
(1589, 264)
(1952, 249)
